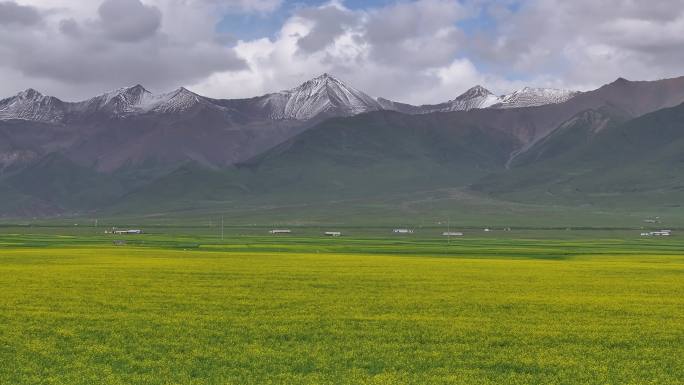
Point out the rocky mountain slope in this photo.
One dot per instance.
(324, 95)
(320, 140)
(129, 127)
(600, 158)
(33, 106)
(533, 97)
(479, 97)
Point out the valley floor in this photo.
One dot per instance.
(595, 308)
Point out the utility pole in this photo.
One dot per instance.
(221, 227)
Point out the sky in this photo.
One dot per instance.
(415, 51)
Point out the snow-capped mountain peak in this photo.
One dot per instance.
(479, 97)
(178, 100)
(130, 93)
(323, 95)
(320, 97)
(133, 95)
(136, 100)
(532, 97)
(476, 97)
(32, 105)
(121, 101)
(30, 94)
(478, 90)
(318, 80)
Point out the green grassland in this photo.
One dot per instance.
(520, 307)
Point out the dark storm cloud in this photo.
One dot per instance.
(129, 20)
(13, 13)
(70, 27)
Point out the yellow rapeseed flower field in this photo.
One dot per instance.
(309, 312)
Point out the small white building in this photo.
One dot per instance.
(280, 231)
(128, 232)
(452, 234)
(402, 231)
(333, 234)
(659, 233)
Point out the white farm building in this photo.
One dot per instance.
(280, 231)
(402, 231)
(128, 232)
(659, 233)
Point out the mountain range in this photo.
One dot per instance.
(480, 97)
(321, 96)
(130, 151)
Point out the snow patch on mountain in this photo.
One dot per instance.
(387, 104)
(476, 97)
(533, 97)
(119, 102)
(32, 105)
(137, 100)
(479, 97)
(322, 95)
(173, 102)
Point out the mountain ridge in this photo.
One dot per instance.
(479, 97)
(323, 96)
(321, 146)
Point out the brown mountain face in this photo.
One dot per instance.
(203, 138)
(131, 127)
(69, 157)
(182, 126)
(533, 123)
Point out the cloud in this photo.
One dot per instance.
(327, 23)
(129, 20)
(13, 13)
(70, 27)
(585, 43)
(419, 51)
(248, 5)
(75, 55)
(421, 34)
(392, 51)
